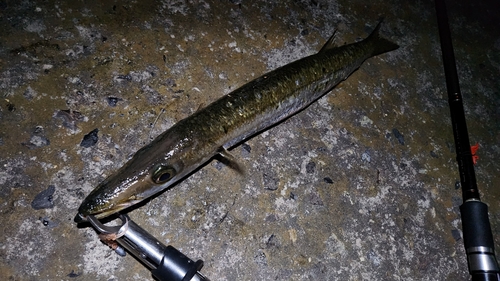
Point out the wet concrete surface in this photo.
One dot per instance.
(361, 185)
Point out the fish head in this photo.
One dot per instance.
(152, 169)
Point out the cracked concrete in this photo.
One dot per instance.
(361, 185)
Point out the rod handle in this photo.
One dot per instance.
(478, 241)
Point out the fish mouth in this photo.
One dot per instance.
(81, 217)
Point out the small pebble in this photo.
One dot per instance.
(72, 274)
(246, 147)
(310, 167)
(37, 139)
(456, 234)
(399, 136)
(122, 77)
(90, 139)
(112, 101)
(69, 118)
(218, 165)
(170, 82)
(44, 199)
(270, 181)
(47, 222)
(315, 199)
(328, 180)
(366, 156)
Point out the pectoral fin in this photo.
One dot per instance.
(229, 160)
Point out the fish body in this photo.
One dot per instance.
(226, 122)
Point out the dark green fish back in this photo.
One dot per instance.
(282, 92)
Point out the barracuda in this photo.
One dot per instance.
(226, 122)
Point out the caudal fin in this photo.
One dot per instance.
(380, 44)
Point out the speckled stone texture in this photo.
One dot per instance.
(362, 185)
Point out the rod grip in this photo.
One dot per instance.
(478, 240)
(476, 225)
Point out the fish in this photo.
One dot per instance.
(231, 119)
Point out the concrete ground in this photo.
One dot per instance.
(362, 185)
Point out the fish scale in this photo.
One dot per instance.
(253, 107)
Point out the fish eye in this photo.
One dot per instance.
(163, 174)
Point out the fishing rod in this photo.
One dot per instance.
(478, 238)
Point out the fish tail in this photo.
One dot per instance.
(380, 44)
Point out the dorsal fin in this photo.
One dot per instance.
(329, 44)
